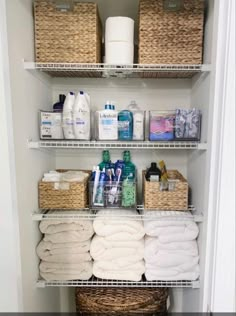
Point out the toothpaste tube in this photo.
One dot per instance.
(96, 181)
(114, 193)
(99, 198)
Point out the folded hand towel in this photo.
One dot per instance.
(74, 176)
(68, 236)
(85, 227)
(103, 249)
(67, 256)
(112, 271)
(169, 231)
(68, 176)
(123, 227)
(172, 274)
(153, 245)
(64, 271)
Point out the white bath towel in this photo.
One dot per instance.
(65, 271)
(169, 231)
(50, 248)
(153, 246)
(166, 259)
(103, 249)
(110, 270)
(85, 227)
(68, 236)
(174, 274)
(63, 255)
(123, 227)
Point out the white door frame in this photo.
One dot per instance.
(219, 283)
(11, 299)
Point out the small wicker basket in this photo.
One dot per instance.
(63, 195)
(176, 199)
(170, 37)
(121, 301)
(67, 36)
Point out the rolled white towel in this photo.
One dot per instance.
(110, 270)
(64, 255)
(103, 249)
(65, 271)
(85, 227)
(171, 231)
(64, 248)
(123, 227)
(165, 259)
(153, 245)
(68, 236)
(172, 274)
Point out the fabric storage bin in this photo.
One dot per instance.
(173, 197)
(63, 195)
(64, 36)
(113, 195)
(161, 125)
(171, 37)
(121, 301)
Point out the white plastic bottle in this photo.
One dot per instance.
(138, 121)
(68, 116)
(107, 123)
(81, 116)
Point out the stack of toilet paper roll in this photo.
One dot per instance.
(119, 40)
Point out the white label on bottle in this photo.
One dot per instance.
(107, 126)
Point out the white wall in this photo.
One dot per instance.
(29, 93)
(10, 267)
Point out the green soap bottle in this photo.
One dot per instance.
(106, 160)
(129, 168)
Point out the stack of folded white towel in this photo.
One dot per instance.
(64, 250)
(118, 246)
(171, 251)
(67, 176)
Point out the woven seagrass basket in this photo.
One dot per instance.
(171, 37)
(63, 195)
(67, 36)
(121, 301)
(175, 199)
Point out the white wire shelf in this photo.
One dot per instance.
(67, 144)
(117, 71)
(94, 282)
(144, 215)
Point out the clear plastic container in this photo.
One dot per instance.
(161, 125)
(188, 124)
(122, 195)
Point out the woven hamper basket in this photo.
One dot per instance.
(166, 200)
(171, 37)
(67, 37)
(120, 301)
(63, 195)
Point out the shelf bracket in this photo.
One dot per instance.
(196, 284)
(32, 145)
(41, 284)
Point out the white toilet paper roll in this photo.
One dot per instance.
(119, 53)
(119, 29)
